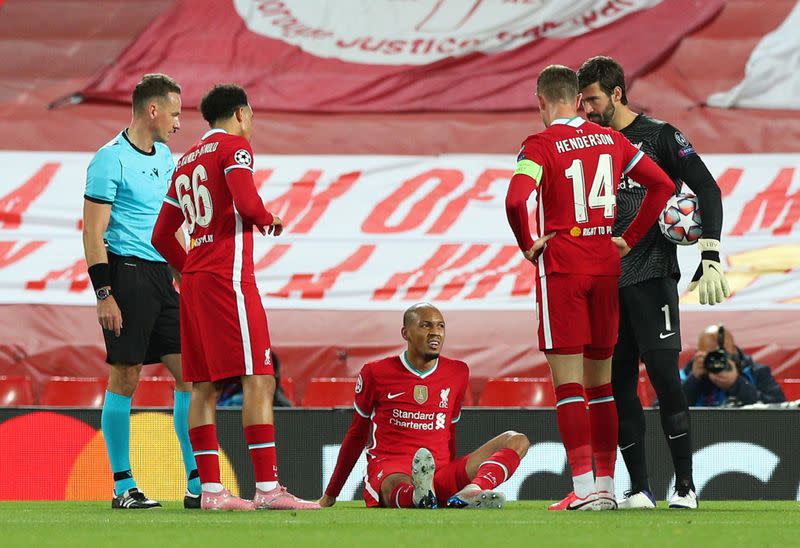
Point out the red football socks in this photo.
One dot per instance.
(573, 425)
(603, 419)
(496, 469)
(261, 442)
(206, 452)
(402, 496)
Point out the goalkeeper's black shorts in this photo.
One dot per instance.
(648, 317)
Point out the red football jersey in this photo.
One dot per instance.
(220, 239)
(410, 409)
(577, 165)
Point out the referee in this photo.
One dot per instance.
(137, 305)
(649, 322)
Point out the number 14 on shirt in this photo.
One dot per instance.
(601, 193)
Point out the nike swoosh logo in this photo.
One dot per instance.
(713, 267)
(663, 336)
(676, 437)
(393, 396)
(579, 506)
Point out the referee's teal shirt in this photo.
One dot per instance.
(134, 182)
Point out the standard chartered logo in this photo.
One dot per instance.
(440, 421)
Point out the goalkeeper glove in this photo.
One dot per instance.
(709, 275)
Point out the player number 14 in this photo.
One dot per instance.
(197, 211)
(601, 195)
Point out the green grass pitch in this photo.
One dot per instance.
(528, 523)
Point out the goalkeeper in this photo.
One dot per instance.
(649, 324)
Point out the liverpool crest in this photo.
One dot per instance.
(420, 393)
(443, 395)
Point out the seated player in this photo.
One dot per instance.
(406, 408)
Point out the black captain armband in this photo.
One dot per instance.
(100, 274)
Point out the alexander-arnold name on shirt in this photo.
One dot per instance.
(192, 156)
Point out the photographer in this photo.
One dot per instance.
(721, 374)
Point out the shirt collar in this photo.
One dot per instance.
(414, 370)
(211, 132)
(134, 147)
(575, 121)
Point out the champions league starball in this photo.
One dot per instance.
(680, 222)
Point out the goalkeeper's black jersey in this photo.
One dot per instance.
(654, 256)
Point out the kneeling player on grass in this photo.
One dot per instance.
(407, 407)
(223, 325)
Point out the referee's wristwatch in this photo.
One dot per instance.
(103, 293)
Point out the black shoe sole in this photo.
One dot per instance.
(134, 507)
(191, 503)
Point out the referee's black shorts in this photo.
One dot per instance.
(150, 312)
(649, 317)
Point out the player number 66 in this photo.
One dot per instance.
(192, 210)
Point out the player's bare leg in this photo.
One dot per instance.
(180, 419)
(259, 430)
(203, 408)
(203, 433)
(512, 440)
(565, 368)
(604, 423)
(573, 425)
(414, 491)
(489, 466)
(397, 491)
(258, 391)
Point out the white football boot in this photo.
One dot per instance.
(637, 500)
(683, 497)
(423, 467)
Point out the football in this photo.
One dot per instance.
(680, 221)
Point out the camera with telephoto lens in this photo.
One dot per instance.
(717, 360)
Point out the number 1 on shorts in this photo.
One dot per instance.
(667, 323)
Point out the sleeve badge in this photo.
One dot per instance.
(243, 158)
(359, 384)
(681, 139)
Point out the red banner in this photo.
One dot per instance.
(393, 55)
(381, 232)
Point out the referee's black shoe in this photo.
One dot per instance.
(190, 501)
(133, 499)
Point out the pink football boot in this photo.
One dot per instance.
(224, 500)
(572, 502)
(281, 499)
